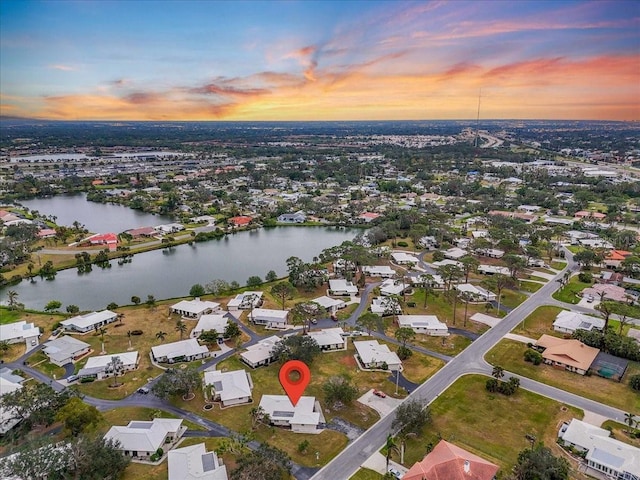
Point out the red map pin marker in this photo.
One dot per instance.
(294, 386)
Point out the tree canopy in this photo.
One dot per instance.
(296, 347)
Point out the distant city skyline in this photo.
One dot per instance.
(319, 60)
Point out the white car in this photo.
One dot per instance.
(395, 472)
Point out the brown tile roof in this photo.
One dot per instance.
(568, 352)
(450, 462)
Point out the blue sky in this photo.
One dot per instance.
(303, 60)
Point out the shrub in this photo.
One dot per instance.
(634, 382)
(411, 304)
(533, 356)
(87, 379)
(585, 277)
(404, 352)
(55, 326)
(136, 332)
(302, 446)
(402, 244)
(492, 385)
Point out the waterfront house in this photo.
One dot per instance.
(240, 221)
(89, 321)
(260, 353)
(17, 332)
(245, 301)
(194, 309)
(298, 217)
(427, 324)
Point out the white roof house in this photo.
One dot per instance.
(330, 304)
(89, 321)
(141, 438)
(229, 388)
(340, 286)
(455, 253)
(393, 287)
(18, 332)
(478, 293)
(8, 416)
(208, 322)
(569, 322)
(194, 308)
(404, 258)
(385, 306)
(260, 353)
(181, 351)
(195, 463)
(303, 418)
(384, 271)
(604, 454)
(270, 318)
(99, 366)
(442, 263)
(428, 324)
(243, 301)
(490, 252)
(329, 338)
(374, 355)
(65, 349)
(492, 269)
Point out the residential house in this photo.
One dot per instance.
(450, 462)
(195, 463)
(613, 458)
(304, 417)
(568, 354)
(442, 263)
(17, 332)
(385, 306)
(142, 232)
(100, 367)
(298, 217)
(606, 292)
(270, 318)
(455, 253)
(341, 287)
(240, 221)
(490, 252)
(108, 239)
(428, 324)
(402, 258)
(260, 353)
(181, 351)
(368, 217)
(569, 322)
(375, 355)
(65, 349)
(394, 287)
(9, 417)
(169, 228)
(382, 271)
(215, 322)
(329, 338)
(89, 321)
(614, 258)
(493, 269)
(478, 294)
(245, 301)
(229, 388)
(194, 309)
(596, 243)
(330, 304)
(46, 233)
(141, 439)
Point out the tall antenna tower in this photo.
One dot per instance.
(475, 143)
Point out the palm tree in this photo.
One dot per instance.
(129, 335)
(4, 347)
(629, 419)
(466, 296)
(102, 331)
(120, 317)
(116, 367)
(12, 295)
(390, 447)
(498, 372)
(161, 335)
(426, 280)
(181, 327)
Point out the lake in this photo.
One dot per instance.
(165, 274)
(97, 217)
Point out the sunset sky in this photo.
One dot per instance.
(325, 60)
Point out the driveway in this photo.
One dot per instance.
(383, 406)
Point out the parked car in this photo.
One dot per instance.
(34, 343)
(590, 299)
(72, 378)
(395, 472)
(143, 390)
(380, 393)
(314, 321)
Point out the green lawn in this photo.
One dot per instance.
(539, 323)
(490, 425)
(530, 287)
(366, 474)
(619, 432)
(509, 355)
(451, 345)
(40, 361)
(568, 293)
(557, 265)
(9, 316)
(511, 298)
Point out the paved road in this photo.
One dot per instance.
(470, 360)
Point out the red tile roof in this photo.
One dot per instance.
(241, 220)
(450, 462)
